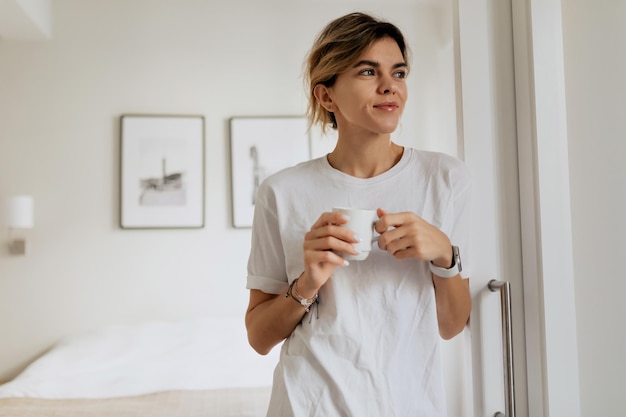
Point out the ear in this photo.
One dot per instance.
(322, 94)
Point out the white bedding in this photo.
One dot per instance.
(119, 361)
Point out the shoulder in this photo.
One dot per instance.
(442, 169)
(293, 174)
(285, 181)
(439, 162)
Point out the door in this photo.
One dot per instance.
(487, 141)
(490, 149)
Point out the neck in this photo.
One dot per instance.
(365, 158)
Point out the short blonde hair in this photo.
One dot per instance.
(335, 49)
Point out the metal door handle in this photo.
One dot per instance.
(507, 342)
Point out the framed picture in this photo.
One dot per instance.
(260, 147)
(162, 171)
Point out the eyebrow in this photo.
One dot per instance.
(377, 64)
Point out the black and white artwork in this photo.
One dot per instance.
(162, 171)
(260, 147)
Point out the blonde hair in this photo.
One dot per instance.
(335, 49)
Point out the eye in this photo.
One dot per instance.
(367, 71)
(400, 74)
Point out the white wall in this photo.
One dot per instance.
(595, 68)
(60, 102)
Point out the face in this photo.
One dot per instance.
(370, 96)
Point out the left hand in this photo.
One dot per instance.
(406, 235)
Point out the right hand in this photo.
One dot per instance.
(321, 244)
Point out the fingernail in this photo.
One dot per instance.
(357, 237)
(357, 250)
(345, 262)
(345, 217)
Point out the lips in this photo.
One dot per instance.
(388, 106)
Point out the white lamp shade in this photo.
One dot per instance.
(20, 212)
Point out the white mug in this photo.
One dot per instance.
(362, 223)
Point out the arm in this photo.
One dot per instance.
(408, 236)
(271, 318)
(454, 305)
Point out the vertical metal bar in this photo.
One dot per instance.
(507, 342)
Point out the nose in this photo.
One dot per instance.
(387, 86)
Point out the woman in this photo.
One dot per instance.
(370, 344)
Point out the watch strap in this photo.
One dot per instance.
(451, 272)
(443, 272)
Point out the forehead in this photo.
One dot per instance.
(384, 48)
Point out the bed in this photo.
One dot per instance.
(202, 367)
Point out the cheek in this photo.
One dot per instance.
(403, 91)
(403, 95)
(350, 101)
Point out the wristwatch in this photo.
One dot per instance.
(454, 269)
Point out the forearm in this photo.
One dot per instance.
(271, 319)
(454, 305)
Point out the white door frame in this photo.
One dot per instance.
(550, 315)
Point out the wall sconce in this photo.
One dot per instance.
(20, 215)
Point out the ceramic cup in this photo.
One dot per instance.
(362, 223)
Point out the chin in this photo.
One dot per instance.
(388, 129)
(387, 126)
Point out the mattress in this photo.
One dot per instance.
(228, 402)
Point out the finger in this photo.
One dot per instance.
(391, 235)
(330, 218)
(410, 248)
(339, 233)
(325, 257)
(394, 220)
(392, 246)
(390, 221)
(404, 253)
(380, 213)
(330, 243)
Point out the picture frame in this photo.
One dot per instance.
(260, 147)
(162, 171)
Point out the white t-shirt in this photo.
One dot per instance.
(374, 349)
